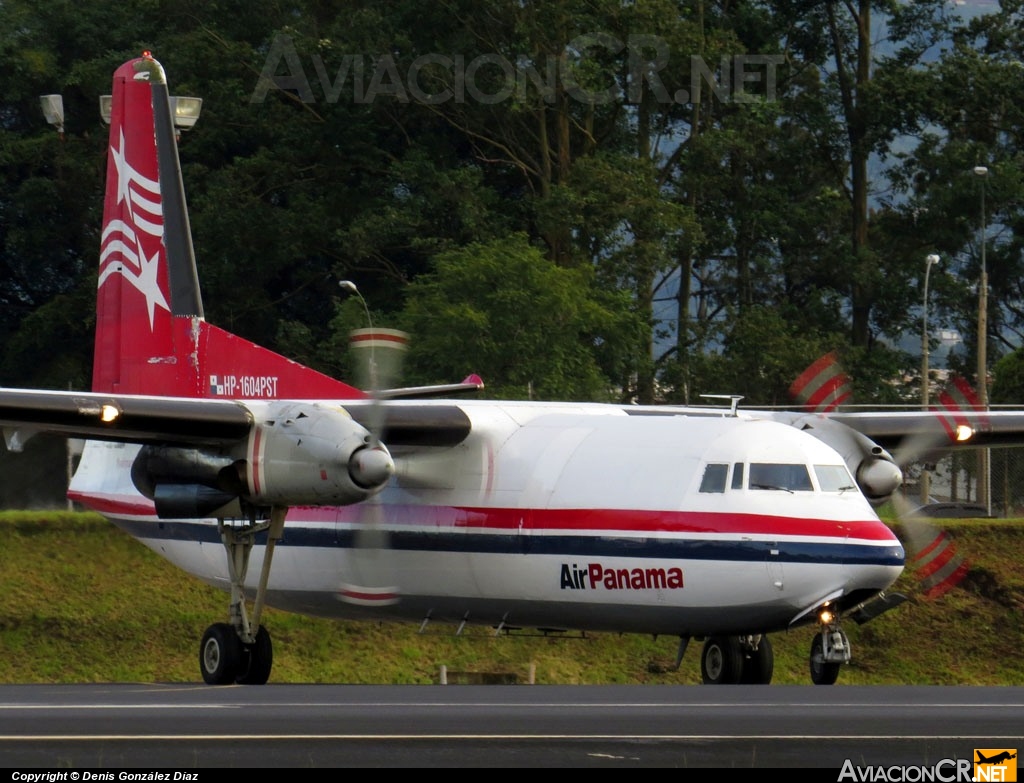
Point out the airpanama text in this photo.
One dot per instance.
(596, 575)
(944, 771)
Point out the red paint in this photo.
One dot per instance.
(141, 347)
(636, 523)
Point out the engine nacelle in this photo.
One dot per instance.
(188, 483)
(297, 454)
(308, 453)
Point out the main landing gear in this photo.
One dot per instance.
(748, 660)
(732, 660)
(233, 652)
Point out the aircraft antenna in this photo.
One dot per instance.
(734, 400)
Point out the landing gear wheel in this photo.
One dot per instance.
(822, 672)
(257, 659)
(759, 664)
(220, 655)
(721, 662)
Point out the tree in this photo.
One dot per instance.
(966, 111)
(529, 328)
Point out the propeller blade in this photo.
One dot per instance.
(918, 446)
(822, 388)
(374, 581)
(379, 354)
(938, 565)
(959, 414)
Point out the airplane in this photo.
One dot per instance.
(1004, 756)
(287, 488)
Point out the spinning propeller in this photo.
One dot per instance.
(379, 354)
(821, 389)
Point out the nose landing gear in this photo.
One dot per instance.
(830, 649)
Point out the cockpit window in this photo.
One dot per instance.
(833, 478)
(737, 476)
(714, 478)
(790, 477)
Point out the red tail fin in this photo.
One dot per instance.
(151, 335)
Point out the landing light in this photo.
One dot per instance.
(109, 413)
(964, 432)
(825, 616)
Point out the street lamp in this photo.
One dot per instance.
(984, 478)
(931, 260)
(53, 111)
(185, 110)
(388, 345)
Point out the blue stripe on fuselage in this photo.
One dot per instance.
(883, 554)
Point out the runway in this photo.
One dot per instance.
(188, 728)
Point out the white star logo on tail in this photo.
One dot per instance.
(120, 241)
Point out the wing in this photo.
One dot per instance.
(186, 421)
(177, 421)
(264, 453)
(946, 429)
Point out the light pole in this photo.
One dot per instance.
(984, 478)
(53, 111)
(925, 379)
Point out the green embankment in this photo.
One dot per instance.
(84, 602)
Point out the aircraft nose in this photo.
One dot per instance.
(879, 561)
(869, 579)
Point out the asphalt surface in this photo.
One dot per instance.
(97, 731)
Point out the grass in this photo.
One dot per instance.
(84, 602)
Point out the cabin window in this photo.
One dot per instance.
(737, 476)
(770, 475)
(833, 478)
(714, 478)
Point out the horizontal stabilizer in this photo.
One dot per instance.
(471, 383)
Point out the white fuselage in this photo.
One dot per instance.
(566, 516)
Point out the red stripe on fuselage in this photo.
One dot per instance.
(623, 520)
(114, 505)
(601, 521)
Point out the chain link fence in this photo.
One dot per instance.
(955, 479)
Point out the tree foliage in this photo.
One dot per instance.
(582, 200)
(545, 336)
